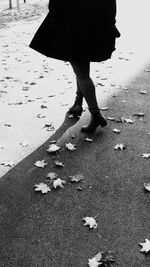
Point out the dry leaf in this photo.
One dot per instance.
(90, 221)
(146, 155)
(104, 258)
(40, 116)
(104, 108)
(107, 257)
(143, 92)
(53, 148)
(43, 106)
(70, 146)
(40, 164)
(77, 178)
(140, 114)
(111, 118)
(58, 183)
(59, 163)
(127, 120)
(88, 139)
(43, 188)
(94, 263)
(8, 164)
(147, 186)
(145, 246)
(147, 70)
(116, 131)
(119, 147)
(52, 175)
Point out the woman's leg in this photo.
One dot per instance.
(76, 109)
(82, 71)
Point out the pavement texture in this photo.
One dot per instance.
(42, 230)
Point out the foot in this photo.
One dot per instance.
(96, 120)
(75, 110)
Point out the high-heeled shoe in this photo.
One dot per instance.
(96, 120)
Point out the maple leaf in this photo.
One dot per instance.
(119, 147)
(40, 116)
(147, 70)
(59, 163)
(143, 92)
(70, 146)
(127, 120)
(104, 108)
(116, 131)
(88, 139)
(43, 106)
(8, 164)
(42, 187)
(53, 148)
(40, 164)
(107, 257)
(146, 155)
(147, 186)
(139, 114)
(76, 178)
(90, 221)
(52, 175)
(145, 246)
(58, 183)
(111, 118)
(94, 263)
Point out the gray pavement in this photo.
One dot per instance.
(42, 230)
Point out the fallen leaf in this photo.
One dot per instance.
(140, 114)
(7, 124)
(104, 108)
(53, 148)
(111, 118)
(49, 127)
(90, 221)
(119, 147)
(52, 175)
(40, 164)
(71, 116)
(94, 263)
(59, 163)
(70, 146)
(88, 139)
(43, 106)
(40, 116)
(116, 131)
(58, 183)
(143, 92)
(42, 187)
(119, 120)
(107, 257)
(77, 178)
(8, 164)
(146, 155)
(147, 186)
(145, 246)
(127, 120)
(24, 144)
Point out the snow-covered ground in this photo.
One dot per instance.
(35, 90)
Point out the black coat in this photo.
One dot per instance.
(78, 30)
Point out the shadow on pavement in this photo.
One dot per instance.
(47, 230)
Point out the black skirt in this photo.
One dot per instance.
(76, 33)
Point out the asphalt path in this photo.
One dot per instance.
(47, 229)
